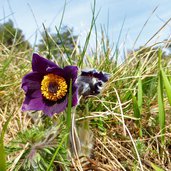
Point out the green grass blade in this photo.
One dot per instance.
(3, 157)
(135, 107)
(62, 17)
(161, 106)
(140, 102)
(140, 33)
(159, 58)
(167, 85)
(118, 41)
(140, 94)
(68, 119)
(63, 45)
(2, 149)
(47, 42)
(80, 63)
(137, 113)
(155, 167)
(160, 98)
(5, 66)
(56, 152)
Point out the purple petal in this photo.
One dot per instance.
(89, 73)
(57, 71)
(41, 64)
(33, 104)
(101, 76)
(70, 73)
(51, 109)
(31, 84)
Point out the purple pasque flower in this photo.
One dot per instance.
(47, 86)
(91, 82)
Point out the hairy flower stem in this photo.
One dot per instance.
(85, 134)
(87, 113)
(81, 135)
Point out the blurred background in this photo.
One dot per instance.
(118, 18)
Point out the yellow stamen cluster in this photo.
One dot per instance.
(53, 87)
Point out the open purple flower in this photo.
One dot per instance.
(91, 82)
(47, 86)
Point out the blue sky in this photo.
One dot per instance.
(29, 15)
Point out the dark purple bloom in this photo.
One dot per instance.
(47, 86)
(91, 82)
(95, 74)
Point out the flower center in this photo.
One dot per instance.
(53, 87)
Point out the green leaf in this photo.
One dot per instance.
(2, 149)
(155, 167)
(166, 84)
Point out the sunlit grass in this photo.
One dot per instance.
(130, 120)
